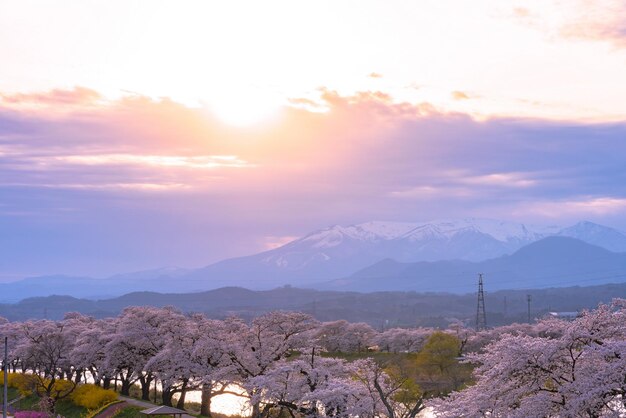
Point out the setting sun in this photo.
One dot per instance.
(243, 108)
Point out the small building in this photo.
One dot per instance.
(568, 316)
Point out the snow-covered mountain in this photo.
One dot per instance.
(591, 233)
(338, 251)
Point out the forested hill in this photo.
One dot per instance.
(381, 309)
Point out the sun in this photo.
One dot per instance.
(244, 108)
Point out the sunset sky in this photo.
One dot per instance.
(142, 134)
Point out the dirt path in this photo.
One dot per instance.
(111, 410)
(137, 402)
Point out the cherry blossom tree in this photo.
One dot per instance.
(252, 349)
(210, 362)
(44, 351)
(90, 352)
(577, 371)
(309, 386)
(136, 339)
(343, 336)
(402, 340)
(15, 334)
(181, 364)
(75, 324)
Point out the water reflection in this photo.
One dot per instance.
(224, 404)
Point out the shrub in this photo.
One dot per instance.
(13, 379)
(60, 389)
(92, 396)
(24, 383)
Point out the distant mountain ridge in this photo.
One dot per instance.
(333, 253)
(381, 310)
(551, 262)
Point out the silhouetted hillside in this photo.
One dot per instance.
(380, 309)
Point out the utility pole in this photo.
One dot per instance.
(6, 378)
(505, 307)
(481, 317)
(528, 299)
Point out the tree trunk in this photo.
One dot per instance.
(181, 399)
(49, 404)
(125, 387)
(106, 382)
(256, 410)
(97, 379)
(205, 402)
(166, 395)
(145, 392)
(145, 386)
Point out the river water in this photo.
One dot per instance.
(234, 405)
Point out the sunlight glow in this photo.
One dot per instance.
(243, 108)
(236, 57)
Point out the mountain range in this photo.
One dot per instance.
(338, 251)
(382, 256)
(550, 262)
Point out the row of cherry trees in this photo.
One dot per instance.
(276, 359)
(550, 368)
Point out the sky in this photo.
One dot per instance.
(142, 134)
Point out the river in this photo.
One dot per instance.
(234, 405)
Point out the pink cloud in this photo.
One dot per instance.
(76, 96)
(601, 20)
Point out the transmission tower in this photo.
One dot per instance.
(481, 317)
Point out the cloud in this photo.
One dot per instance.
(521, 12)
(422, 193)
(460, 95)
(141, 179)
(579, 207)
(271, 242)
(506, 180)
(601, 20)
(116, 187)
(76, 96)
(191, 162)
